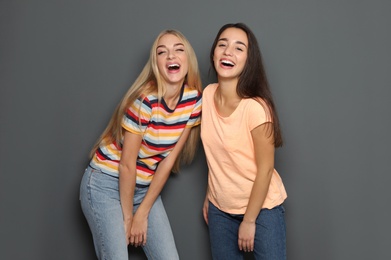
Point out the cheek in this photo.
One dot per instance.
(215, 54)
(160, 65)
(243, 62)
(216, 63)
(184, 69)
(185, 63)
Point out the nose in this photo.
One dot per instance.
(171, 55)
(228, 50)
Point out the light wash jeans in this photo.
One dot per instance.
(270, 234)
(99, 198)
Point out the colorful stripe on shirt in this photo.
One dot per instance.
(161, 128)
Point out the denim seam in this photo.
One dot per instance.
(95, 215)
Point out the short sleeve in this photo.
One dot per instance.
(258, 113)
(195, 116)
(137, 116)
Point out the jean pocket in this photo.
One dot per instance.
(281, 208)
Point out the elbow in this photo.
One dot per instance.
(270, 173)
(267, 173)
(125, 168)
(270, 170)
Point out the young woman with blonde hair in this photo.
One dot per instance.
(153, 130)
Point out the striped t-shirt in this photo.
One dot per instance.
(161, 128)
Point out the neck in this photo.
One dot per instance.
(226, 92)
(172, 95)
(226, 99)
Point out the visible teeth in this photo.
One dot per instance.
(227, 63)
(173, 66)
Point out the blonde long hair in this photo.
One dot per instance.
(150, 81)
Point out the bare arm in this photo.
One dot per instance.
(264, 156)
(205, 208)
(140, 220)
(127, 177)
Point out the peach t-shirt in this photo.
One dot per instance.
(229, 150)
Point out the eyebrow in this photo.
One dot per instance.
(175, 45)
(238, 42)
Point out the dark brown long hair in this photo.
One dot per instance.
(253, 82)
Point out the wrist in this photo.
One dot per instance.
(142, 212)
(248, 220)
(128, 218)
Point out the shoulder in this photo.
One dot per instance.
(190, 96)
(209, 90)
(191, 92)
(143, 104)
(146, 101)
(258, 107)
(211, 87)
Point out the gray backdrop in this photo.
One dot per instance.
(64, 65)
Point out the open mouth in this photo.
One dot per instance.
(227, 63)
(173, 67)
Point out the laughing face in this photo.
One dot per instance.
(171, 59)
(230, 53)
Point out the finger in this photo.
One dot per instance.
(240, 244)
(245, 247)
(248, 246)
(135, 240)
(145, 239)
(251, 246)
(139, 240)
(205, 213)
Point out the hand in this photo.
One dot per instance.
(127, 226)
(246, 236)
(138, 231)
(205, 209)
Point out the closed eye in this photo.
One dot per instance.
(160, 51)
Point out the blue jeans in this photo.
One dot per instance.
(270, 234)
(99, 198)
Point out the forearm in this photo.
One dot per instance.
(127, 183)
(127, 172)
(258, 194)
(207, 193)
(157, 184)
(161, 175)
(264, 159)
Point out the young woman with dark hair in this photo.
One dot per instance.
(240, 131)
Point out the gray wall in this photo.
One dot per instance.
(64, 65)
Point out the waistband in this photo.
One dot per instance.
(138, 185)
